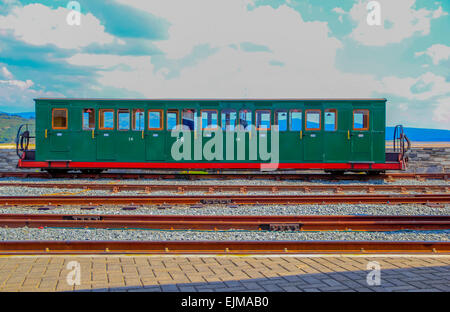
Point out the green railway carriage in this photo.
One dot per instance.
(99, 134)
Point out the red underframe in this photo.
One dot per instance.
(185, 165)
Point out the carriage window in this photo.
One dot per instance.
(312, 120)
(361, 119)
(138, 119)
(172, 119)
(209, 119)
(263, 119)
(59, 118)
(106, 119)
(189, 120)
(245, 119)
(123, 119)
(295, 120)
(88, 119)
(281, 120)
(330, 120)
(155, 119)
(228, 120)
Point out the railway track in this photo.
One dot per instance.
(228, 199)
(221, 247)
(238, 188)
(228, 176)
(268, 223)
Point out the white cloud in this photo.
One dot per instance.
(6, 73)
(305, 48)
(17, 96)
(37, 24)
(442, 111)
(108, 61)
(423, 87)
(339, 10)
(221, 23)
(400, 20)
(437, 52)
(18, 83)
(439, 12)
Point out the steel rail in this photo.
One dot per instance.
(221, 247)
(192, 222)
(228, 199)
(228, 176)
(236, 188)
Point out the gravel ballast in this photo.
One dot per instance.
(54, 234)
(240, 210)
(225, 182)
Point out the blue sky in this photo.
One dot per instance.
(229, 49)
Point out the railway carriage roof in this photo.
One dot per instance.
(217, 99)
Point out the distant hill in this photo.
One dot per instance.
(421, 135)
(9, 124)
(27, 115)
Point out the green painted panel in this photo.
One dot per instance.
(80, 144)
(313, 139)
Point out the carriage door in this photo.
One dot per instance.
(172, 120)
(313, 135)
(106, 147)
(155, 143)
(336, 133)
(361, 136)
(291, 133)
(58, 134)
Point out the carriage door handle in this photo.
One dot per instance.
(45, 133)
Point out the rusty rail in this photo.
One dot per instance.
(192, 222)
(221, 247)
(236, 188)
(228, 199)
(228, 176)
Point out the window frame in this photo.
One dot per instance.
(275, 118)
(270, 119)
(297, 110)
(195, 117)
(239, 119)
(133, 121)
(124, 110)
(176, 111)
(100, 114)
(306, 120)
(82, 119)
(335, 119)
(161, 120)
(368, 119)
(201, 119)
(228, 110)
(67, 119)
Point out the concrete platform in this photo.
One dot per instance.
(225, 273)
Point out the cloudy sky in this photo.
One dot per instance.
(229, 49)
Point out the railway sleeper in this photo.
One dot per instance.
(216, 201)
(281, 227)
(83, 218)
